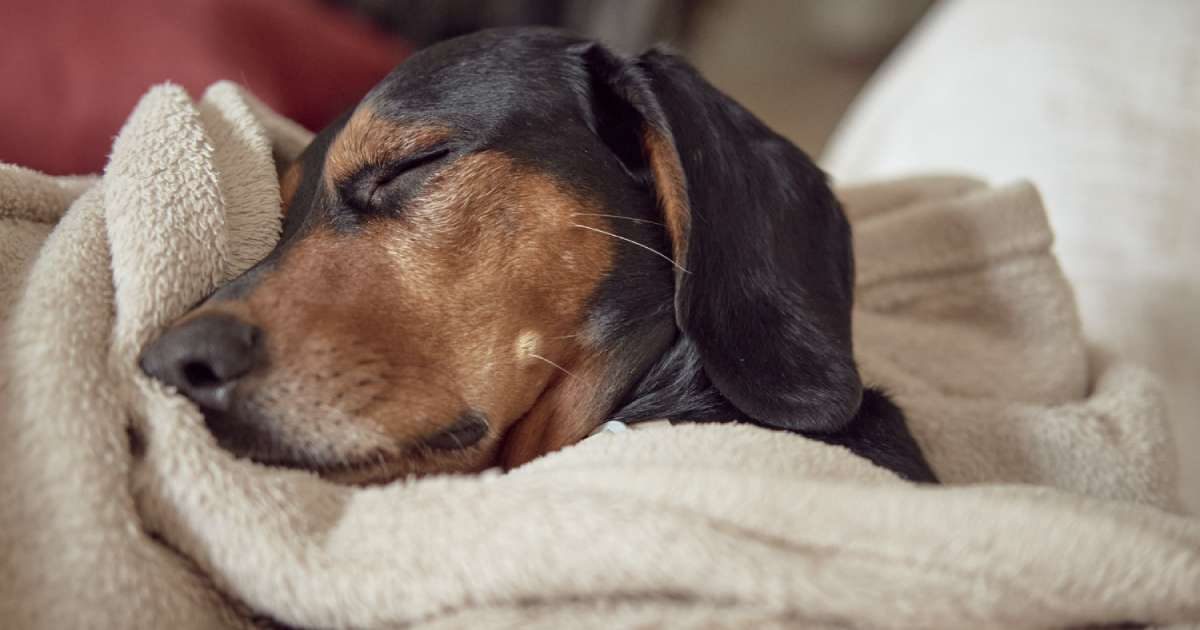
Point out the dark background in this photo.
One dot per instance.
(74, 69)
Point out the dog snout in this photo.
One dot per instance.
(204, 358)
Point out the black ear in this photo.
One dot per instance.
(767, 276)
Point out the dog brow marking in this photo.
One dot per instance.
(289, 182)
(370, 139)
(633, 242)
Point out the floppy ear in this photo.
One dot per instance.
(767, 271)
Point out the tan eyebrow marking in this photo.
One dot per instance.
(289, 183)
(369, 139)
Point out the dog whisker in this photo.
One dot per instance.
(542, 358)
(617, 216)
(633, 242)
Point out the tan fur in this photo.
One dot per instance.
(566, 413)
(289, 183)
(672, 190)
(368, 139)
(380, 337)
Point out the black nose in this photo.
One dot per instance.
(204, 358)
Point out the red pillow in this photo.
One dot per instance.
(73, 69)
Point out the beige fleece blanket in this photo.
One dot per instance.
(118, 511)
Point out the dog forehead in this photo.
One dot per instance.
(521, 92)
(480, 79)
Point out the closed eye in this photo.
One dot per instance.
(410, 163)
(379, 186)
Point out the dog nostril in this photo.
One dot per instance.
(205, 357)
(198, 374)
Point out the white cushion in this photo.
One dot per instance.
(1096, 102)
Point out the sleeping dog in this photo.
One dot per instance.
(515, 237)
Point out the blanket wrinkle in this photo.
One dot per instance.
(1059, 507)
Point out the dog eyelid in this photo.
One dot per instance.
(374, 182)
(411, 163)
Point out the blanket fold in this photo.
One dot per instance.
(118, 510)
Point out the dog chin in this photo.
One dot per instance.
(248, 434)
(382, 470)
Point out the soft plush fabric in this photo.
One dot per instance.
(119, 511)
(1098, 101)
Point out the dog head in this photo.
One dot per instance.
(493, 252)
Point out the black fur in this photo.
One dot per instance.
(758, 329)
(764, 311)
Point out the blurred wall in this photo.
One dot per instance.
(797, 64)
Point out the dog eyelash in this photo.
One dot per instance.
(410, 163)
(363, 194)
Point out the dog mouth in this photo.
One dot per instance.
(368, 470)
(460, 447)
(466, 431)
